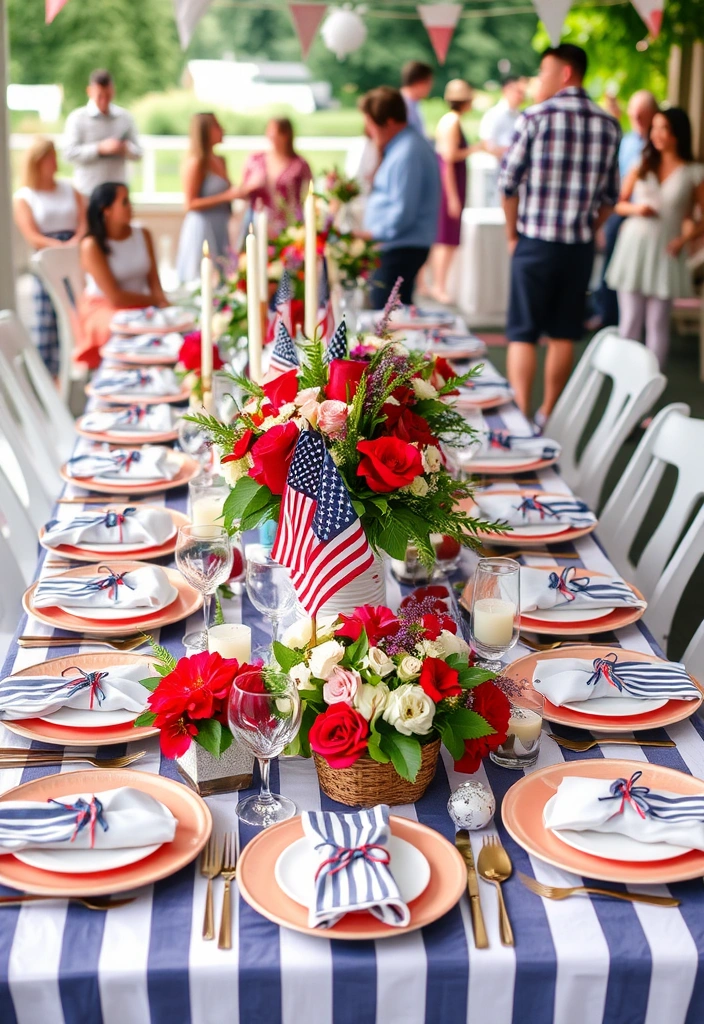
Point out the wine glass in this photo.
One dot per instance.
(264, 712)
(496, 609)
(204, 559)
(194, 441)
(269, 586)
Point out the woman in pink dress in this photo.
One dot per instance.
(279, 177)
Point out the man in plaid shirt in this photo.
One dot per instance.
(559, 182)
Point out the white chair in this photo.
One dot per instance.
(19, 465)
(43, 455)
(17, 528)
(636, 385)
(693, 657)
(40, 406)
(60, 272)
(11, 591)
(674, 549)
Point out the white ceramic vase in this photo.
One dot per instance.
(369, 588)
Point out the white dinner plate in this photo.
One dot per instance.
(84, 718)
(127, 546)
(115, 614)
(295, 870)
(125, 482)
(539, 529)
(81, 862)
(615, 707)
(568, 614)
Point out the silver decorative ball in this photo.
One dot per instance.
(472, 805)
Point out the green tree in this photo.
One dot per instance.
(136, 41)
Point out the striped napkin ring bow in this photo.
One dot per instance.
(345, 855)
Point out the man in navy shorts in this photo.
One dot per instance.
(559, 182)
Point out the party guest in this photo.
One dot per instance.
(49, 214)
(279, 177)
(559, 182)
(101, 137)
(403, 206)
(121, 273)
(416, 83)
(498, 124)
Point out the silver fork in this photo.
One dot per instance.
(229, 871)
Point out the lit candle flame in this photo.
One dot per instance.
(206, 249)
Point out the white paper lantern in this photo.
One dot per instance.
(343, 32)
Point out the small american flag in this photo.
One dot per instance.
(283, 309)
(337, 346)
(320, 536)
(326, 319)
(283, 356)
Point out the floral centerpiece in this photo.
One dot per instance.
(381, 692)
(337, 187)
(354, 259)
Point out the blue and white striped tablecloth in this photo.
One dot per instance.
(581, 961)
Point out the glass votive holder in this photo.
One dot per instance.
(231, 640)
(521, 747)
(206, 498)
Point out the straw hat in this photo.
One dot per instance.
(457, 91)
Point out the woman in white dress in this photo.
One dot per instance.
(49, 214)
(658, 198)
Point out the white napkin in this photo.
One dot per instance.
(564, 589)
(122, 818)
(597, 805)
(118, 525)
(147, 588)
(573, 680)
(151, 382)
(490, 384)
(535, 509)
(151, 316)
(498, 444)
(147, 463)
(134, 419)
(115, 688)
(145, 344)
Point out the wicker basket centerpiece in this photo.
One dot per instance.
(367, 782)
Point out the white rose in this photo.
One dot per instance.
(410, 710)
(432, 459)
(325, 657)
(232, 471)
(423, 388)
(379, 662)
(300, 633)
(275, 271)
(370, 700)
(449, 643)
(219, 324)
(418, 487)
(428, 649)
(409, 668)
(357, 247)
(301, 675)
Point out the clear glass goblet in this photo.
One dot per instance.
(194, 441)
(269, 586)
(264, 713)
(496, 609)
(204, 559)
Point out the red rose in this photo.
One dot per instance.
(344, 376)
(439, 680)
(190, 353)
(339, 735)
(388, 463)
(433, 624)
(240, 447)
(272, 454)
(377, 622)
(492, 704)
(281, 390)
(442, 373)
(407, 425)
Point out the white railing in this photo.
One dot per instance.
(339, 146)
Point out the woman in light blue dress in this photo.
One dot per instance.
(208, 196)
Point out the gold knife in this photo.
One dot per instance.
(465, 847)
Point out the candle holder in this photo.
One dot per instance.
(496, 610)
(521, 747)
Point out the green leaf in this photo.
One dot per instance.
(219, 617)
(213, 737)
(166, 659)
(374, 747)
(356, 651)
(145, 719)
(394, 538)
(287, 657)
(453, 742)
(238, 499)
(470, 725)
(405, 753)
(151, 682)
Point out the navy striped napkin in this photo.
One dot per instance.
(537, 509)
(152, 381)
(354, 871)
(564, 589)
(114, 688)
(147, 587)
(498, 444)
(572, 680)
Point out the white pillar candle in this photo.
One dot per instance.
(311, 265)
(254, 321)
(261, 233)
(206, 314)
(207, 511)
(492, 622)
(525, 725)
(231, 640)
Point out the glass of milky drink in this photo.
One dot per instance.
(522, 744)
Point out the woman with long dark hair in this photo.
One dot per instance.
(121, 273)
(658, 199)
(279, 177)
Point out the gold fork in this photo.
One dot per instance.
(127, 643)
(554, 892)
(229, 870)
(579, 746)
(12, 757)
(210, 865)
(494, 865)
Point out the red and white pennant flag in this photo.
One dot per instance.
(440, 21)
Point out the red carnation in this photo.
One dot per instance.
(378, 622)
(492, 704)
(388, 464)
(272, 454)
(190, 353)
(407, 425)
(240, 447)
(339, 735)
(434, 625)
(343, 377)
(439, 680)
(281, 390)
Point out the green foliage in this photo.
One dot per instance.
(219, 617)
(167, 660)
(145, 720)
(404, 751)
(314, 372)
(213, 737)
(286, 656)
(249, 504)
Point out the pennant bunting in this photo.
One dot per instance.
(651, 13)
(306, 20)
(552, 13)
(52, 8)
(188, 14)
(440, 21)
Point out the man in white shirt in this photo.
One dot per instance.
(496, 129)
(101, 137)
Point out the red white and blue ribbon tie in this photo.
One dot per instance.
(567, 583)
(92, 680)
(113, 519)
(533, 504)
(606, 668)
(344, 855)
(88, 814)
(629, 793)
(111, 582)
(124, 460)
(133, 414)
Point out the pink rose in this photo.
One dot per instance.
(341, 686)
(307, 404)
(332, 417)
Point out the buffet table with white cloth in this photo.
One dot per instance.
(479, 277)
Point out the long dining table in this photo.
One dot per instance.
(580, 961)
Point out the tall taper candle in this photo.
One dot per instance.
(206, 315)
(254, 322)
(311, 265)
(261, 231)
